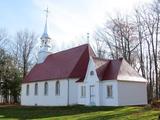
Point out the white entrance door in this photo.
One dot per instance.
(92, 95)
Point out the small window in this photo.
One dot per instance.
(109, 91)
(36, 89)
(92, 73)
(27, 90)
(83, 91)
(57, 88)
(45, 88)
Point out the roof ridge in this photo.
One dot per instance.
(64, 51)
(70, 49)
(98, 58)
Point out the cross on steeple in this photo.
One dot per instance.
(46, 11)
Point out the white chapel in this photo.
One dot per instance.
(77, 76)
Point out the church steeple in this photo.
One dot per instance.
(45, 40)
(45, 33)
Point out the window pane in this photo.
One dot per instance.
(36, 89)
(109, 91)
(83, 91)
(46, 88)
(57, 88)
(92, 73)
(27, 90)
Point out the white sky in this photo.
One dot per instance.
(69, 20)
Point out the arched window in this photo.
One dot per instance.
(45, 88)
(92, 73)
(36, 89)
(27, 90)
(57, 88)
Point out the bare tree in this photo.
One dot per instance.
(119, 36)
(140, 35)
(23, 49)
(150, 16)
(99, 44)
(3, 38)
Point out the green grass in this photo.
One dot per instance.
(78, 113)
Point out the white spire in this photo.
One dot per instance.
(45, 33)
(45, 48)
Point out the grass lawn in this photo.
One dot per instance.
(78, 113)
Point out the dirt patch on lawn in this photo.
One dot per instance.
(9, 105)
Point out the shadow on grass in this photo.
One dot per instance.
(21, 113)
(126, 113)
(117, 114)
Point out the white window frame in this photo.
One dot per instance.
(83, 91)
(109, 91)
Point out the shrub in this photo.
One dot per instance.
(148, 107)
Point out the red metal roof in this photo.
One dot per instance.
(73, 63)
(116, 70)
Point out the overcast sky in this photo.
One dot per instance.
(69, 20)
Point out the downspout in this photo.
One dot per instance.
(68, 94)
